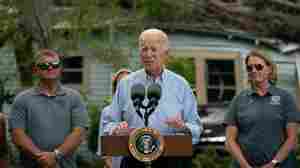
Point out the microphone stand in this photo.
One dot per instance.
(149, 109)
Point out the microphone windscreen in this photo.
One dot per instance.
(138, 92)
(154, 91)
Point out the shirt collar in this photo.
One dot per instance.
(59, 92)
(160, 78)
(271, 91)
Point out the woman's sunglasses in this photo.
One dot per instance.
(258, 67)
(46, 66)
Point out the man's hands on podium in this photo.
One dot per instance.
(175, 122)
(178, 123)
(121, 129)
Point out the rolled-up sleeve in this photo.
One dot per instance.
(192, 119)
(292, 113)
(231, 115)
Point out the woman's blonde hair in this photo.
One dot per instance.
(267, 60)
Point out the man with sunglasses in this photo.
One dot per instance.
(261, 124)
(48, 121)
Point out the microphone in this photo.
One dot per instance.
(137, 97)
(137, 94)
(153, 95)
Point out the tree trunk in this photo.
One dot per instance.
(33, 33)
(24, 59)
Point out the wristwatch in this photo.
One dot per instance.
(275, 162)
(58, 154)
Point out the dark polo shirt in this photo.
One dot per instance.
(48, 120)
(262, 122)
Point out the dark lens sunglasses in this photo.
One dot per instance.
(46, 66)
(258, 67)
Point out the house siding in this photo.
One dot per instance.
(97, 76)
(99, 83)
(286, 62)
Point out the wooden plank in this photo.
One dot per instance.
(200, 81)
(205, 53)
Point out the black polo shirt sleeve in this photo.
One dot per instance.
(231, 115)
(292, 112)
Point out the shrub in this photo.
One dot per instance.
(210, 158)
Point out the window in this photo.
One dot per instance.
(217, 76)
(73, 71)
(220, 78)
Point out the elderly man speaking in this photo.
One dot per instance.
(177, 107)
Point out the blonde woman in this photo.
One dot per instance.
(261, 125)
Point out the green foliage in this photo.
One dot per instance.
(298, 150)
(8, 21)
(164, 10)
(7, 79)
(94, 116)
(211, 159)
(185, 67)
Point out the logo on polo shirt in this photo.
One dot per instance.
(275, 100)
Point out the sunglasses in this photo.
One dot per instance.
(46, 66)
(258, 67)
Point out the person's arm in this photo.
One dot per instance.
(70, 144)
(187, 121)
(232, 132)
(292, 116)
(289, 145)
(114, 117)
(191, 117)
(76, 136)
(72, 141)
(17, 124)
(21, 140)
(233, 147)
(79, 126)
(103, 120)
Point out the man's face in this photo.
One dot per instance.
(49, 67)
(152, 53)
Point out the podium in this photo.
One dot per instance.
(175, 145)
